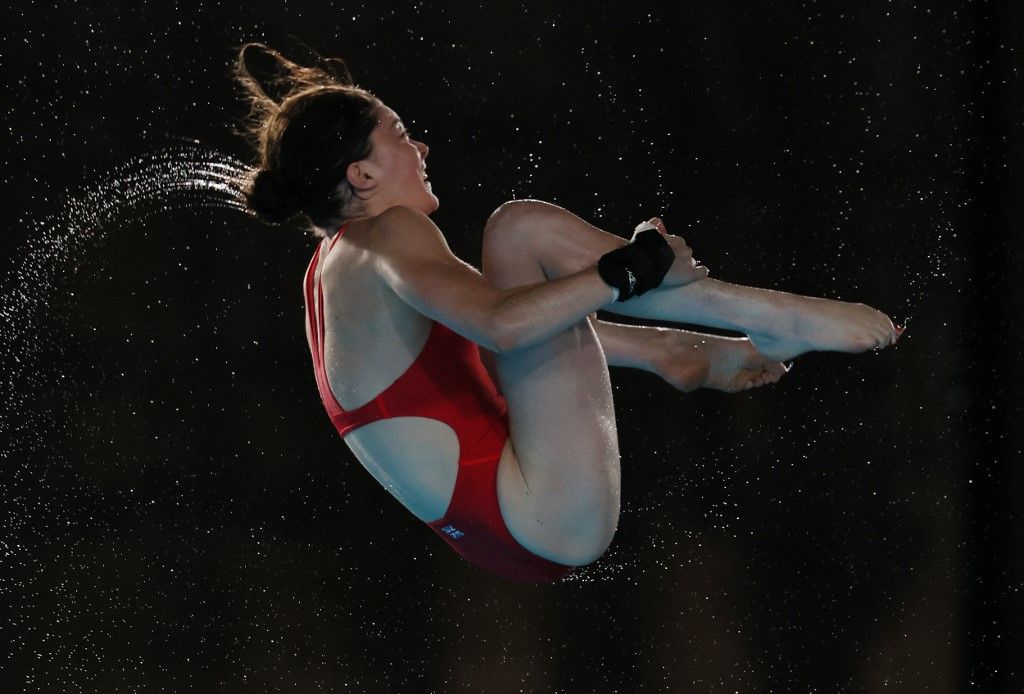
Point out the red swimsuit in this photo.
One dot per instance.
(446, 382)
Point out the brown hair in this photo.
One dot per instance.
(307, 124)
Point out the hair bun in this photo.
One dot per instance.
(272, 199)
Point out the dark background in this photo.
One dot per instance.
(179, 515)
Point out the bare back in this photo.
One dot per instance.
(371, 337)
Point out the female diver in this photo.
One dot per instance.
(518, 473)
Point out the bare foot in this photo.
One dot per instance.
(690, 361)
(826, 325)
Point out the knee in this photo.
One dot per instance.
(515, 213)
(513, 243)
(536, 232)
(515, 221)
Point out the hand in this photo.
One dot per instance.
(684, 269)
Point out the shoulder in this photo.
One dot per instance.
(399, 214)
(401, 229)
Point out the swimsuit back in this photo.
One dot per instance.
(447, 381)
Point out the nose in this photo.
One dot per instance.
(424, 150)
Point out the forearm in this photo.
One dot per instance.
(529, 314)
(533, 313)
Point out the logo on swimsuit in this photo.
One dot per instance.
(451, 532)
(632, 281)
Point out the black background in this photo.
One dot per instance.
(178, 513)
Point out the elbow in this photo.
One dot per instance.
(504, 333)
(503, 338)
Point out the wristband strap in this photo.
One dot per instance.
(640, 265)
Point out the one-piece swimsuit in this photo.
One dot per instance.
(446, 382)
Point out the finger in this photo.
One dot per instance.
(659, 224)
(890, 331)
(679, 247)
(698, 273)
(889, 337)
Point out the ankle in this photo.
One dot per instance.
(681, 360)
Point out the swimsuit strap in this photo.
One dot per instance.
(337, 235)
(315, 305)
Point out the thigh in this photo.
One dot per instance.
(524, 236)
(560, 491)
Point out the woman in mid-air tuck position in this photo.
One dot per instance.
(520, 473)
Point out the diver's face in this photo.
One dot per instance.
(400, 165)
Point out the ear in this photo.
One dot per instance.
(361, 174)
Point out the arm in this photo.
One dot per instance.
(414, 260)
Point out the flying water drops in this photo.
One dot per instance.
(181, 176)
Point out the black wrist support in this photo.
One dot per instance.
(639, 266)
